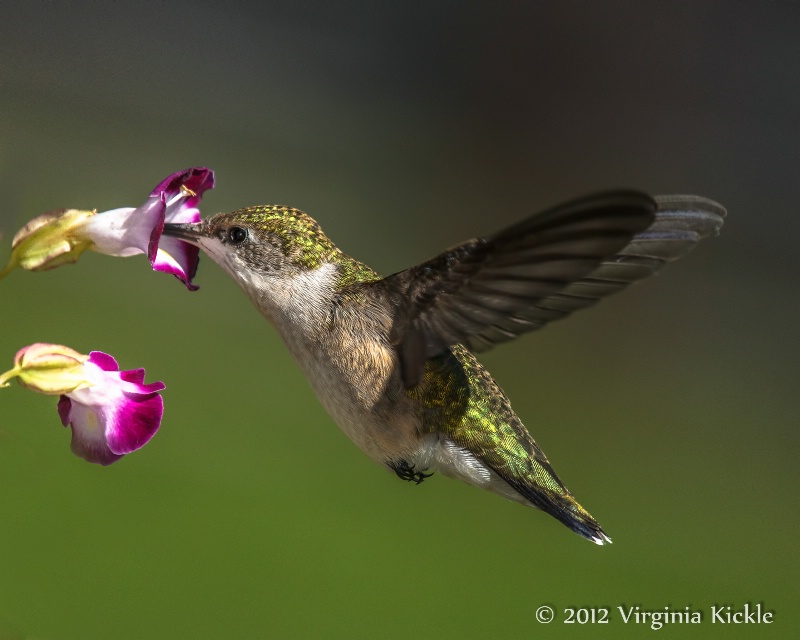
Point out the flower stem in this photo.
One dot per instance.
(5, 377)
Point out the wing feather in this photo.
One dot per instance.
(490, 290)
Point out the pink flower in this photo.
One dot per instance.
(59, 237)
(111, 412)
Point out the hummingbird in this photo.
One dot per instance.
(392, 359)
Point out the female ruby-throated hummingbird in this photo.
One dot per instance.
(391, 358)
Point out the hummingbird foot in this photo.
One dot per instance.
(405, 471)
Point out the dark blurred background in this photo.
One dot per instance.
(671, 411)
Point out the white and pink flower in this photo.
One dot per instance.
(59, 237)
(111, 412)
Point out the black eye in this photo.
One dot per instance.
(237, 235)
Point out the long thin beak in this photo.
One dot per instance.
(188, 232)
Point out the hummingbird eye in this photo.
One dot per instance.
(237, 235)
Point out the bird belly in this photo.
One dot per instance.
(360, 388)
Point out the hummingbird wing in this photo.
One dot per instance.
(490, 290)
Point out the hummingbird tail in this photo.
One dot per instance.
(581, 522)
(565, 509)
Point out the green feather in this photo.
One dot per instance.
(462, 401)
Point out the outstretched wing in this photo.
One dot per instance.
(490, 290)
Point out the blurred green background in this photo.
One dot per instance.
(671, 411)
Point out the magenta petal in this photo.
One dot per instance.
(137, 386)
(64, 409)
(196, 179)
(159, 203)
(104, 361)
(132, 375)
(135, 420)
(178, 258)
(200, 180)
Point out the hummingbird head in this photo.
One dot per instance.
(276, 254)
(268, 240)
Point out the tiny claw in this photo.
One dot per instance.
(405, 471)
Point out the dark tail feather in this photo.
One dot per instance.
(565, 509)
